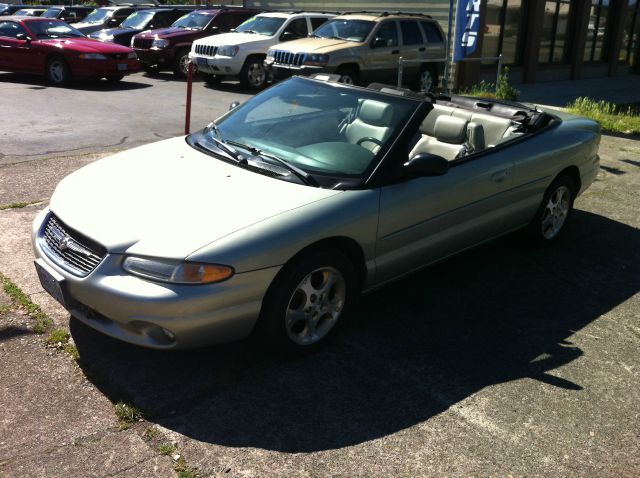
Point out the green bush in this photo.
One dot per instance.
(504, 90)
(612, 117)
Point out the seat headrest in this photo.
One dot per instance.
(375, 113)
(449, 129)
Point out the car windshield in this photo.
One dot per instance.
(98, 16)
(350, 30)
(52, 13)
(137, 20)
(262, 25)
(324, 129)
(53, 29)
(193, 21)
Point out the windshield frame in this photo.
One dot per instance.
(331, 21)
(257, 18)
(146, 15)
(408, 106)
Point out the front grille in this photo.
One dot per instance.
(287, 58)
(69, 249)
(206, 50)
(142, 43)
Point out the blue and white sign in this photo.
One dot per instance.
(467, 26)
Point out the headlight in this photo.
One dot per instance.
(176, 272)
(270, 55)
(314, 59)
(228, 50)
(132, 56)
(160, 43)
(92, 56)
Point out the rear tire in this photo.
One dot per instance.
(253, 74)
(348, 75)
(181, 63)
(114, 78)
(307, 302)
(554, 211)
(427, 79)
(57, 71)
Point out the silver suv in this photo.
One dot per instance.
(364, 47)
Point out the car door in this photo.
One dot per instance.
(426, 219)
(16, 54)
(381, 62)
(412, 48)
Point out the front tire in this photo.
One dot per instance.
(554, 211)
(181, 63)
(253, 74)
(307, 302)
(114, 78)
(348, 75)
(57, 71)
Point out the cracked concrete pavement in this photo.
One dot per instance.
(503, 361)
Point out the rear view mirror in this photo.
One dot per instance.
(426, 164)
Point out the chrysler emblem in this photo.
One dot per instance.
(63, 244)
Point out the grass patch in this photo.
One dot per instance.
(58, 337)
(503, 90)
(612, 117)
(42, 320)
(18, 205)
(151, 433)
(167, 449)
(183, 470)
(127, 414)
(72, 351)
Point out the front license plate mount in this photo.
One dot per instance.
(52, 282)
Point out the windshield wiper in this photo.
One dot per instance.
(232, 153)
(304, 176)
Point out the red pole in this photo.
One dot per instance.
(187, 118)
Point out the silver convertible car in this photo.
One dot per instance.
(274, 218)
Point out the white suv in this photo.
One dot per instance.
(242, 52)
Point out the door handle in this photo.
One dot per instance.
(500, 176)
(395, 52)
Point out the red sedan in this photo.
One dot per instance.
(60, 52)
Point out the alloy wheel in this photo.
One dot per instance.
(315, 305)
(256, 75)
(555, 212)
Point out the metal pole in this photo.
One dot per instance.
(445, 78)
(400, 66)
(499, 70)
(187, 118)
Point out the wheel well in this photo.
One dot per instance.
(345, 245)
(574, 173)
(349, 66)
(260, 56)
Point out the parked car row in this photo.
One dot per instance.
(236, 42)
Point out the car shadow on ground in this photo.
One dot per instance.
(39, 83)
(415, 348)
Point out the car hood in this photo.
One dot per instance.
(235, 38)
(87, 45)
(168, 200)
(172, 32)
(115, 32)
(317, 45)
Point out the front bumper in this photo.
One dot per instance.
(154, 314)
(218, 65)
(99, 68)
(282, 72)
(155, 57)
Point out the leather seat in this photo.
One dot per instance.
(450, 136)
(373, 120)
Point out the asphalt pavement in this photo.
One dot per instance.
(505, 361)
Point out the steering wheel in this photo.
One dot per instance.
(369, 138)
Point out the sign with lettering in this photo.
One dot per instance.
(467, 26)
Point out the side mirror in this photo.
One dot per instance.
(379, 42)
(233, 105)
(286, 36)
(113, 22)
(23, 36)
(426, 164)
(214, 29)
